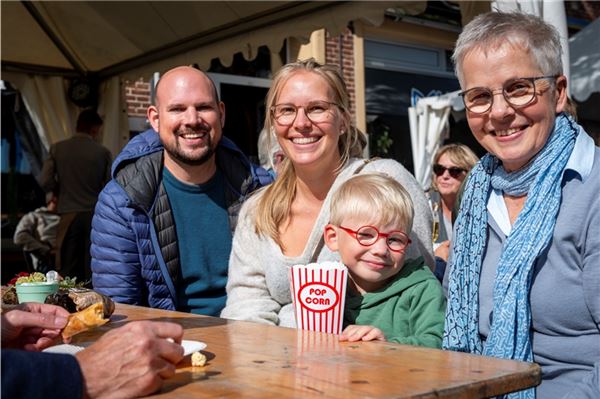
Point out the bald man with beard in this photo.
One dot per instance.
(162, 229)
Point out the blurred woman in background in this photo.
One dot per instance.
(451, 164)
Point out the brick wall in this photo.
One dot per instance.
(345, 59)
(137, 95)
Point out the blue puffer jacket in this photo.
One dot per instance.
(135, 257)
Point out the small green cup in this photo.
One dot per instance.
(35, 292)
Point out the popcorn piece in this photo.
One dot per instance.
(198, 359)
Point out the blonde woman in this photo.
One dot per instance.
(451, 164)
(283, 225)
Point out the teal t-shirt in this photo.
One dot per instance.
(204, 242)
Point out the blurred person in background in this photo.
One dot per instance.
(270, 154)
(77, 169)
(451, 165)
(36, 235)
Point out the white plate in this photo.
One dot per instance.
(67, 349)
(189, 347)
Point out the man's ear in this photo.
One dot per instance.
(331, 237)
(222, 111)
(153, 117)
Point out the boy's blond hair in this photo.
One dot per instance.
(375, 197)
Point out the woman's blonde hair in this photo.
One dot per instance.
(459, 154)
(274, 207)
(374, 197)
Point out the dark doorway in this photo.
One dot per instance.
(243, 87)
(244, 116)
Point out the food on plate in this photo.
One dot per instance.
(87, 319)
(198, 359)
(77, 299)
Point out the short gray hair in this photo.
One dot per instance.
(491, 30)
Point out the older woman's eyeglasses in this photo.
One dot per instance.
(454, 171)
(316, 112)
(517, 92)
(396, 241)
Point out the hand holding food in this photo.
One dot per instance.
(32, 326)
(140, 356)
(90, 317)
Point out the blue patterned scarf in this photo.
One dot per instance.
(540, 179)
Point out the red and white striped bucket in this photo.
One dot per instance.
(319, 293)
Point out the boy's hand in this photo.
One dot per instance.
(355, 333)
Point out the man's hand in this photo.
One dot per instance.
(131, 361)
(355, 333)
(32, 326)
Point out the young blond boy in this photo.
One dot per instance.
(389, 298)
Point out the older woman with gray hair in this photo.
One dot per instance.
(524, 269)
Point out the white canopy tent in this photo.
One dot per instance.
(585, 62)
(45, 42)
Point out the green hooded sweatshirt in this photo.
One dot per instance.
(409, 310)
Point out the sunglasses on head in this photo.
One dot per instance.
(454, 171)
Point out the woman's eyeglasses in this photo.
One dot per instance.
(366, 236)
(316, 112)
(454, 171)
(517, 92)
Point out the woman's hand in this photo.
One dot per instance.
(355, 333)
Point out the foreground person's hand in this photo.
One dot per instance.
(32, 326)
(131, 361)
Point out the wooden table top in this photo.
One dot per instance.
(258, 361)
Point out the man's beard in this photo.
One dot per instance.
(192, 160)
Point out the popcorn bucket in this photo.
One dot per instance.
(319, 293)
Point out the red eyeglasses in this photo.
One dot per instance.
(396, 241)
(454, 171)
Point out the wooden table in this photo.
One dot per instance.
(258, 361)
